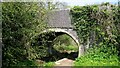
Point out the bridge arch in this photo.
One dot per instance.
(64, 31)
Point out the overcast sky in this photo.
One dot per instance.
(86, 2)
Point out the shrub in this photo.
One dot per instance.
(97, 26)
(21, 23)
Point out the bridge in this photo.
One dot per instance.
(59, 22)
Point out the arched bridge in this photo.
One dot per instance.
(60, 31)
(59, 22)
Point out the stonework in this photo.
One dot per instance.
(60, 22)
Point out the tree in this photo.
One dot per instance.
(21, 23)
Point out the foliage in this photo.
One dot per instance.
(68, 48)
(96, 23)
(21, 23)
(26, 63)
(98, 27)
(64, 43)
(98, 56)
(34, 63)
(82, 21)
(49, 64)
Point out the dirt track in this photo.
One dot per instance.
(64, 63)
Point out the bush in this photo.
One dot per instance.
(99, 56)
(97, 26)
(21, 23)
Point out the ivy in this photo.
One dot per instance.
(98, 24)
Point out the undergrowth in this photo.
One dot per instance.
(99, 56)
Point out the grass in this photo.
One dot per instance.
(97, 60)
(49, 64)
(90, 62)
(66, 48)
(99, 56)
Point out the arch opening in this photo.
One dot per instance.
(53, 34)
(66, 46)
(61, 31)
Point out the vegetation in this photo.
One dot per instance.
(97, 27)
(98, 57)
(35, 63)
(22, 22)
(27, 63)
(49, 64)
(65, 43)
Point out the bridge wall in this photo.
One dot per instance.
(60, 21)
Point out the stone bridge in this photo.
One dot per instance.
(59, 22)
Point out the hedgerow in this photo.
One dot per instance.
(98, 28)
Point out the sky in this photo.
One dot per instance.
(86, 2)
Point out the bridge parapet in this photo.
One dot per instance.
(59, 19)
